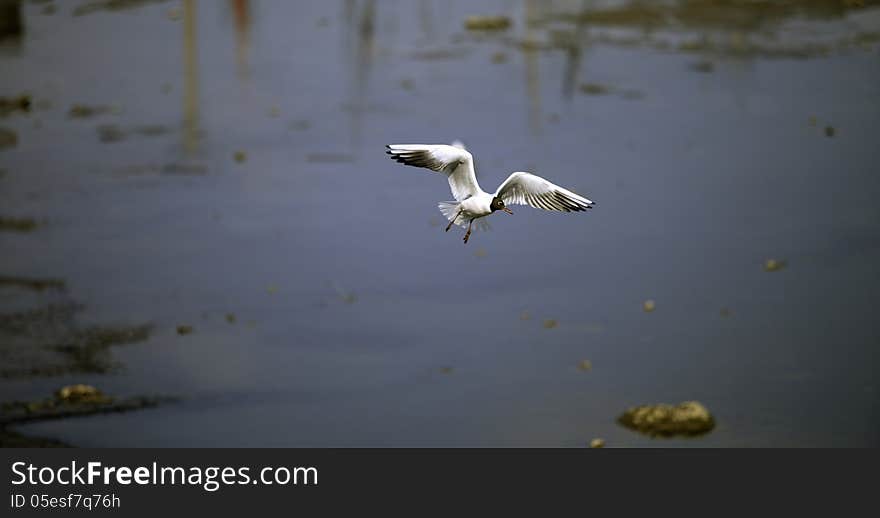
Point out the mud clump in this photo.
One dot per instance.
(688, 419)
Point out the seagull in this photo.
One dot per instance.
(472, 202)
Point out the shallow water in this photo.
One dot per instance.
(358, 321)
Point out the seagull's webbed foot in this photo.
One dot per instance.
(467, 234)
(451, 221)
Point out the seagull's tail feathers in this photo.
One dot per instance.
(450, 210)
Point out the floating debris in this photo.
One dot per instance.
(648, 306)
(8, 138)
(773, 265)
(487, 23)
(829, 131)
(17, 224)
(34, 284)
(239, 156)
(585, 365)
(597, 443)
(686, 419)
(10, 105)
(184, 330)
(230, 317)
(550, 323)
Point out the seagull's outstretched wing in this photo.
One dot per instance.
(528, 189)
(456, 163)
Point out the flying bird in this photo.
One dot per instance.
(472, 202)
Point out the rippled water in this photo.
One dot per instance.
(239, 167)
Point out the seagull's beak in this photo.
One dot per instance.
(505, 209)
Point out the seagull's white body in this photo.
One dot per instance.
(473, 203)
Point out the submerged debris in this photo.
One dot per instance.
(239, 156)
(829, 131)
(689, 418)
(487, 23)
(585, 365)
(550, 323)
(649, 306)
(230, 317)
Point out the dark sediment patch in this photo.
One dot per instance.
(48, 342)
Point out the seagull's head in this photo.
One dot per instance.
(498, 204)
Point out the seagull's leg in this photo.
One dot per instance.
(451, 221)
(468, 233)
